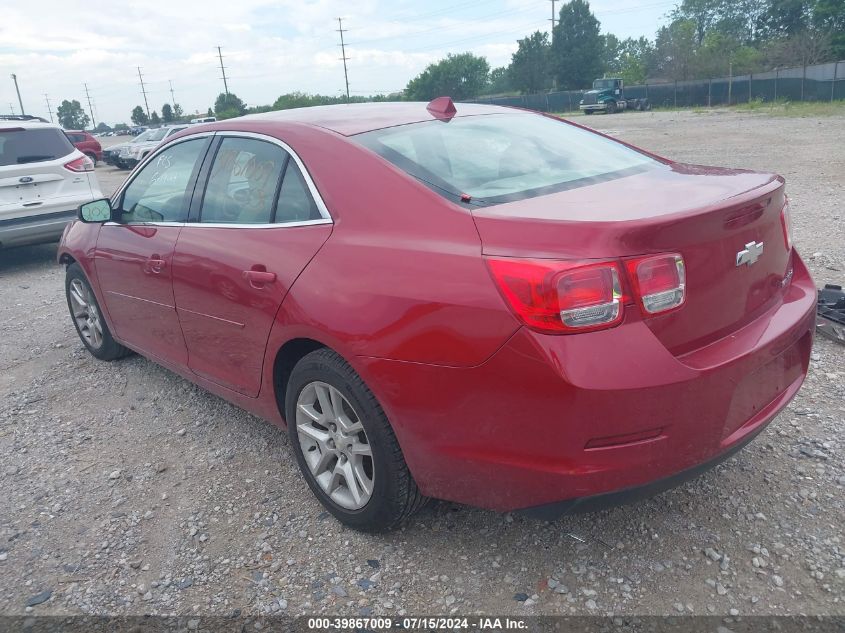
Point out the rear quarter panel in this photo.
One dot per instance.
(401, 276)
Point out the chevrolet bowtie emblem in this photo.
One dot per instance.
(750, 254)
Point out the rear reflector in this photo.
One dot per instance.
(83, 163)
(560, 297)
(786, 223)
(659, 281)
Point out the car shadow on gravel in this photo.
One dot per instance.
(25, 258)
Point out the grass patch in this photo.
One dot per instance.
(793, 108)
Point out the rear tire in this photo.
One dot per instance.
(88, 319)
(348, 434)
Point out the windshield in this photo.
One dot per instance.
(604, 84)
(144, 136)
(19, 146)
(503, 157)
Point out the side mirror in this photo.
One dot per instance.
(95, 211)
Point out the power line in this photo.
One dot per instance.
(341, 30)
(49, 107)
(223, 70)
(172, 96)
(90, 107)
(144, 92)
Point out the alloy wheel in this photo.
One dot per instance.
(335, 445)
(86, 314)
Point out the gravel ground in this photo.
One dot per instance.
(127, 490)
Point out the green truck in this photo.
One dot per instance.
(608, 95)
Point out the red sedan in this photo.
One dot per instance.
(484, 305)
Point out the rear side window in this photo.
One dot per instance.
(21, 146)
(243, 182)
(295, 201)
(503, 157)
(76, 138)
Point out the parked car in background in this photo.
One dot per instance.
(111, 155)
(205, 119)
(43, 179)
(485, 305)
(87, 144)
(133, 153)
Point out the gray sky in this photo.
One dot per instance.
(269, 47)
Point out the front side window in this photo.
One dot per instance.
(243, 182)
(503, 157)
(160, 192)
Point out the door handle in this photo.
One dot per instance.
(154, 265)
(257, 278)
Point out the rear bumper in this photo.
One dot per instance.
(556, 419)
(37, 229)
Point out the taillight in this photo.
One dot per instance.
(559, 297)
(83, 163)
(659, 281)
(786, 223)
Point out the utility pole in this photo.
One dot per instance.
(223, 70)
(554, 19)
(341, 30)
(90, 107)
(49, 107)
(11, 108)
(144, 92)
(15, 79)
(172, 96)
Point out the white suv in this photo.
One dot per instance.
(43, 179)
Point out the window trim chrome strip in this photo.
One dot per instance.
(309, 182)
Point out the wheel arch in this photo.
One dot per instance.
(287, 356)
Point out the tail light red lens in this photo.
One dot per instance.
(560, 297)
(83, 163)
(659, 281)
(786, 223)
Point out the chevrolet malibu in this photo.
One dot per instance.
(478, 304)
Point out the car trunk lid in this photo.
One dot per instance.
(708, 215)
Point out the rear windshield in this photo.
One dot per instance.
(503, 157)
(21, 146)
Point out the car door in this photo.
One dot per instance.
(259, 222)
(134, 253)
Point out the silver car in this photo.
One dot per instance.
(133, 153)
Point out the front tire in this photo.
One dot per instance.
(345, 446)
(610, 108)
(88, 319)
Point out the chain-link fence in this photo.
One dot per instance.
(821, 82)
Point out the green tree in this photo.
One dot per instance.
(228, 106)
(529, 69)
(829, 17)
(177, 112)
(102, 127)
(460, 76)
(629, 59)
(72, 116)
(499, 81)
(578, 47)
(155, 119)
(167, 113)
(120, 127)
(210, 112)
(675, 50)
(139, 117)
